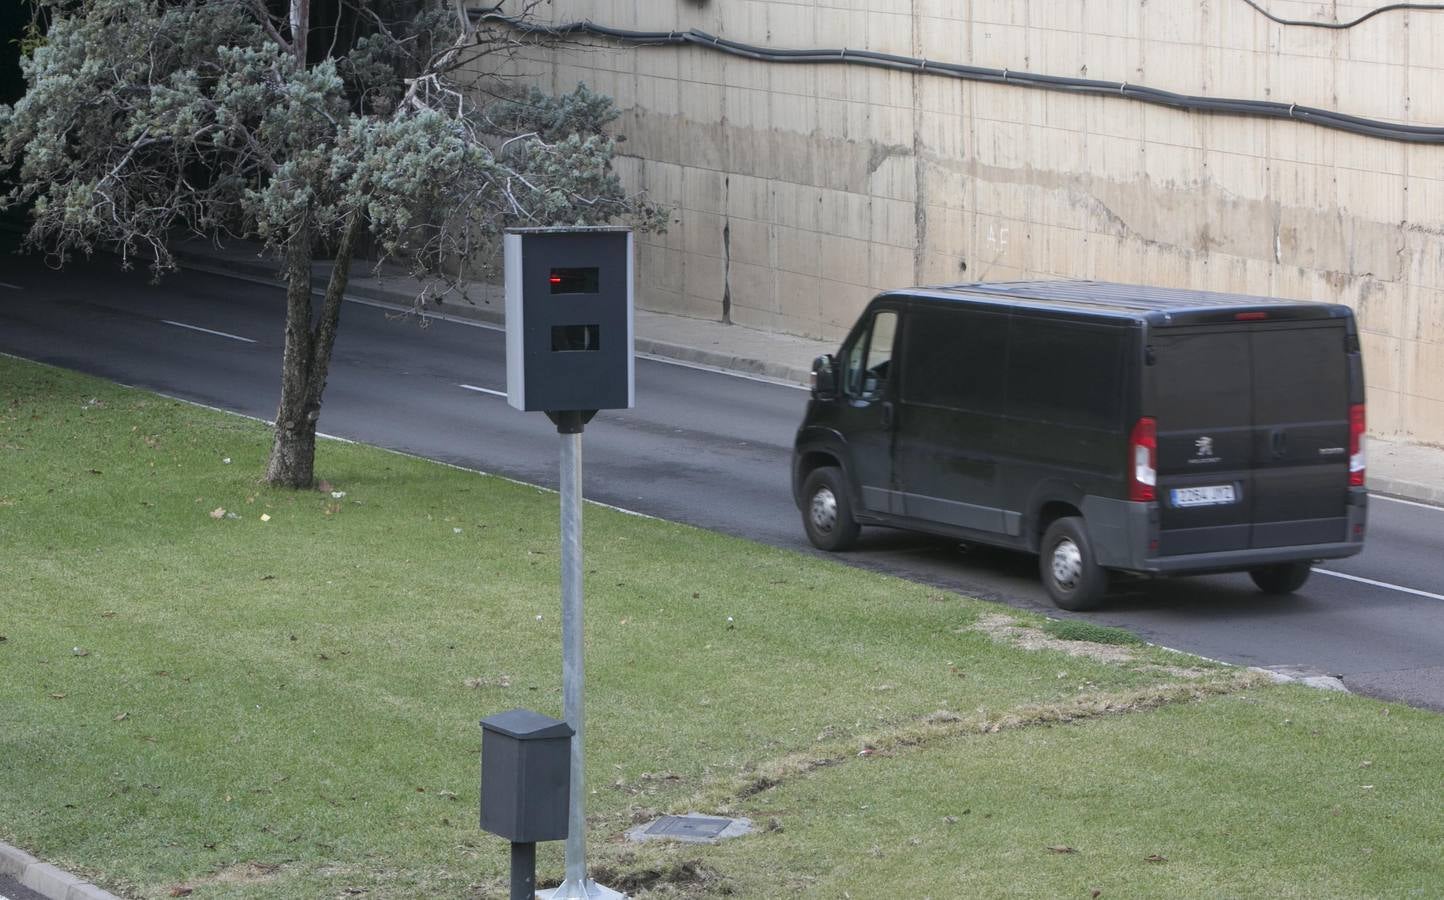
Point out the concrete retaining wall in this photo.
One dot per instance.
(801, 190)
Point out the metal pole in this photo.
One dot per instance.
(576, 886)
(572, 649)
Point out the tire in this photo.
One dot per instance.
(1284, 578)
(1068, 567)
(827, 510)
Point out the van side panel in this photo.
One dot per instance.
(949, 432)
(1071, 386)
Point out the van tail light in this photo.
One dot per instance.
(1356, 445)
(1143, 451)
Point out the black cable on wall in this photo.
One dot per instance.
(1266, 109)
(1392, 7)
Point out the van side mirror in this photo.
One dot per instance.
(824, 377)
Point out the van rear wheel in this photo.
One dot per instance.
(1284, 578)
(1069, 569)
(827, 510)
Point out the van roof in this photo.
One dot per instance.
(1157, 305)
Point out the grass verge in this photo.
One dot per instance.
(209, 685)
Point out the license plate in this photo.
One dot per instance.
(1213, 495)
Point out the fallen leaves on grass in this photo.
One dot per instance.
(501, 681)
(1156, 858)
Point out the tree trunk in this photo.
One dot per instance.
(307, 356)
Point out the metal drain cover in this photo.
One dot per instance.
(691, 828)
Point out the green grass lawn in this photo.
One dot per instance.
(194, 697)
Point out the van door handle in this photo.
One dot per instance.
(887, 414)
(1280, 442)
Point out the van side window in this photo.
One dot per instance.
(870, 358)
(955, 359)
(1067, 373)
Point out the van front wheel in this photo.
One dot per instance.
(827, 510)
(1284, 578)
(1070, 571)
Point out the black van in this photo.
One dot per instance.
(1105, 427)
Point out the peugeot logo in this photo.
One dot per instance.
(1204, 445)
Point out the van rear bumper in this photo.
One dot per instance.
(1238, 560)
(1123, 532)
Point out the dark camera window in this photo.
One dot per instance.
(573, 281)
(572, 338)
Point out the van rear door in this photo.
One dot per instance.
(1253, 435)
(1301, 433)
(1203, 404)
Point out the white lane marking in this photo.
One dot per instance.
(234, 337)
(482, 390)
(1407, 502)
(13, 287)
(1382, 584)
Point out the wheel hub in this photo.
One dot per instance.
(824, 510)
(1067, 564)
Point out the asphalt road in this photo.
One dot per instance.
(10, 889)
(706, 448)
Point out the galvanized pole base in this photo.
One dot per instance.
(586, 889)
(577, 885)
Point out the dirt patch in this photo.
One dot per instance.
(945, 724)
(247, 873)
(1006, 630)
(687, 873)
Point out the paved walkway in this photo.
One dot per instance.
(1402, 470)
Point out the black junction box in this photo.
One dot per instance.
(525, 776)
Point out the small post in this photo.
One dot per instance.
(523, 871)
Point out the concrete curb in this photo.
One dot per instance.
(730, 362)
(45, 879)
(1408, 490)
